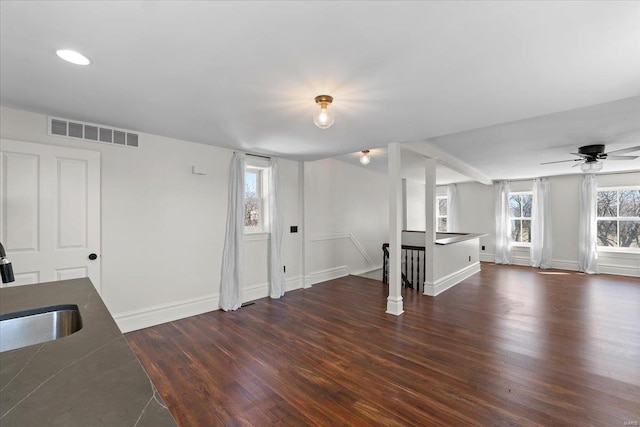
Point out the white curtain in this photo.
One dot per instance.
(233, 252)
(541, 225)
(453, 208)
(276, 273)
(587, 223)
(503, 222)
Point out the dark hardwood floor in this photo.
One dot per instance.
(508, 346)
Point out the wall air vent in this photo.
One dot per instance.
(92, 132)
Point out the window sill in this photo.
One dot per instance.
(254, 236)
(619, 252)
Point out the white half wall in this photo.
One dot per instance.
(163, 227)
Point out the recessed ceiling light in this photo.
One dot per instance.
(73, 57)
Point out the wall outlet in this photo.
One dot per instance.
(199, 170)
(294, 228)
(285, 268)
(469, 257)
(483, 247)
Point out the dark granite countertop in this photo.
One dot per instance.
(89, 378)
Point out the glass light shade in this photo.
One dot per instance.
(73, 57)
(365, 158)
(591, 166)
(323, 116)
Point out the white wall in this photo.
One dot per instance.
(476, 215)
(346, 216)
(414, 207)
(163, 227)
(414, 204)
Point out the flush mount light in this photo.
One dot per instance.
(324, 117)
(365, 158)
(73, 57)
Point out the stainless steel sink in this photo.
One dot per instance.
(38, 325)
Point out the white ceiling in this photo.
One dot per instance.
(244, 74)
(412, 166)
(515, 150)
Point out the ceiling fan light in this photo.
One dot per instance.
(591, 167)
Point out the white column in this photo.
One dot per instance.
(430, 219)
(304, 201)
(394, 301)
(404, 204)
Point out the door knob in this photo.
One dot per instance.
(93, 256)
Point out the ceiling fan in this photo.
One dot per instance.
(590, 156)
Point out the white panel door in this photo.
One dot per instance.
(50, 205)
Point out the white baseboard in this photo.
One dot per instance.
(261, 290)
(486, 257)
(254, 292)
(562, 264)
(621, 270)
(324, 275)
(155, 315)
(365, 271)
(515, 259)
(521, 260)
(158, 314)
(450, 280)
(294, 283)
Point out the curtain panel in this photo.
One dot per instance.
(587, 226)
(233, 252)
(541, 225)
(503, 222)
(276, 267)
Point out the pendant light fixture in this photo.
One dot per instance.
(323, 117)
(365, 158)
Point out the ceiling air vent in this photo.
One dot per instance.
(92, 132)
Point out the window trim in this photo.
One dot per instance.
(521, 218)
(438, 216)
(255, 236)
(262, 167)
(616, 249)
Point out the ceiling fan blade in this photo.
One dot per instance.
(624, 151)
(562, 161)
(609, 157)
(580, 154)
(577, 164)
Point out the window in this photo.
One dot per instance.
(520, 212)
(441, 216)
(619, 217)
(256, 198)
